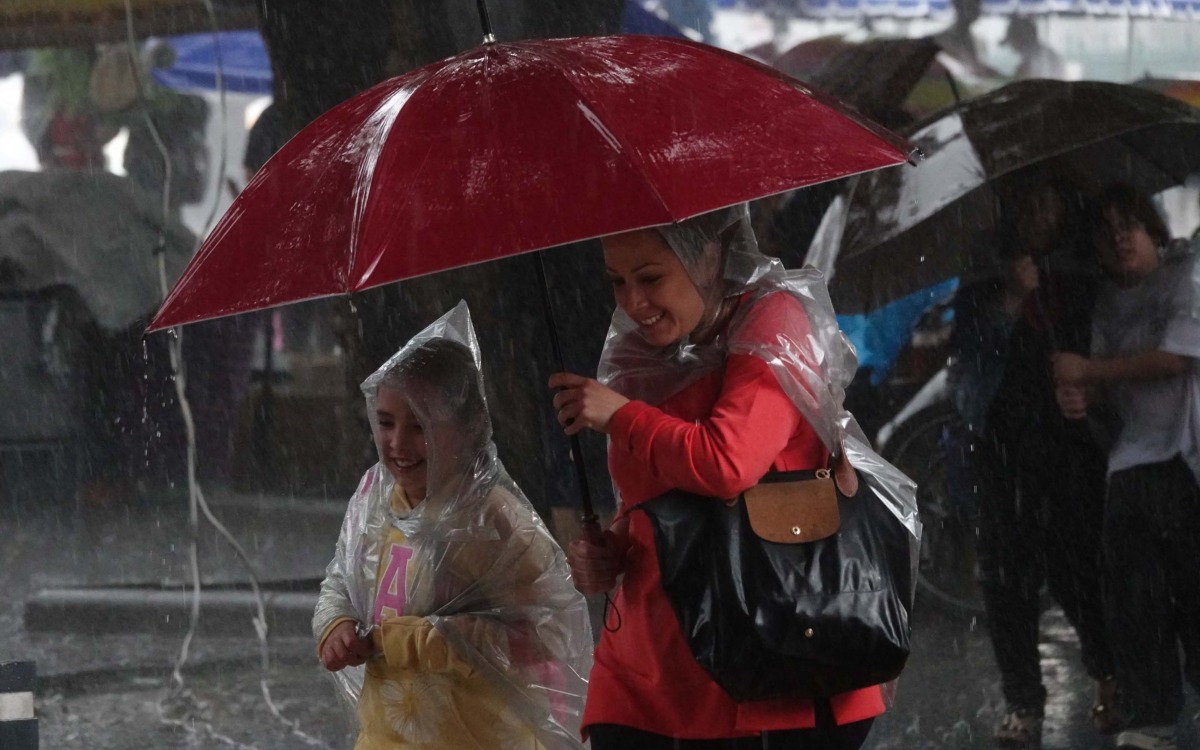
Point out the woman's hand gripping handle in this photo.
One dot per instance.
(597, 559)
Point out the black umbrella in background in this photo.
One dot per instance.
(899, 231)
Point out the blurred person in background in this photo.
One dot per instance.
(121, 87)
(58, 117)
(1037, 59)
(1036, 479)
(267, 135)
(133, 434)
(1145, 360)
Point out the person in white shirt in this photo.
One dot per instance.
(1146, 358)
(1037, 60)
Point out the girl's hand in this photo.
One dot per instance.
(596, 563)
(584, 403)
(345, 647)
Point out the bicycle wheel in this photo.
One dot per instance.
(947, 578)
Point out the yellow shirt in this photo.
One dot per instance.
(417, 691)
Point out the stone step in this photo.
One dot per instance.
(116, 610)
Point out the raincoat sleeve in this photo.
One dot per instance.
(723, 454)
(505, 593)
(334, 603)
(524, 588)
(413, 643)
(750, 424)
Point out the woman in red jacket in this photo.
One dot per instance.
(719, 367)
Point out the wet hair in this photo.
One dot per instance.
(446, 370)
(1129, 203)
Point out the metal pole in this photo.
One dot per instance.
(585, 495)
(485, 21)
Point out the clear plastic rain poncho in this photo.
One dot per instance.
(813, 366)
(484, 572)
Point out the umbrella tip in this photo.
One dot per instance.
(485, 20)
(915, 156)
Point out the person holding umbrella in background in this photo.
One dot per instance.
(708, 379)
(1144, 359)
(1036, 479)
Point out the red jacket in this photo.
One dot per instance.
(717, 437)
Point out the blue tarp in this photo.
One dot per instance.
(246, 68)
(879, 335)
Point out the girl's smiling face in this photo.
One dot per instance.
(652, 286)
(402, 443)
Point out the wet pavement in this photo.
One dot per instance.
(115, 690)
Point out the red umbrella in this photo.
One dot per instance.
(512, 147)
(515, 147)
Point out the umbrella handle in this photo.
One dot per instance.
(592, 531)
(585, 494)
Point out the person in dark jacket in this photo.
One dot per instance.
(1037, 479)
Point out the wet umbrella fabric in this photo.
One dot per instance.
(515, 147)
(903, 230)
(840, 68)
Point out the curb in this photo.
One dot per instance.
(104, 611)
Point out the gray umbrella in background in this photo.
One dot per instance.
(92, 231)
(902, 230)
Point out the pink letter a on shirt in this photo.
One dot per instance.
(391, 593)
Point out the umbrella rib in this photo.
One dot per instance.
(361, 203)
(1179, 171)
(587, 107)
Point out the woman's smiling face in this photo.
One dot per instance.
(652, 286)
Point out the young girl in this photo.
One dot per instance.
(445, 585)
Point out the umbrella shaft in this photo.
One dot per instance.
(585, 495)
(485, 20)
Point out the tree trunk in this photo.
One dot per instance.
(324, 52)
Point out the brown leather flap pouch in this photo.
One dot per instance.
(794, 512)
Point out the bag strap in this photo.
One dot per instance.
(844, 475)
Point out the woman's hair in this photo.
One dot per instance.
(446, 371)
(1130, 203)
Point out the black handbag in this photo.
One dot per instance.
(793, 590)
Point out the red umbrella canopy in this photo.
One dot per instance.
(509, 148)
